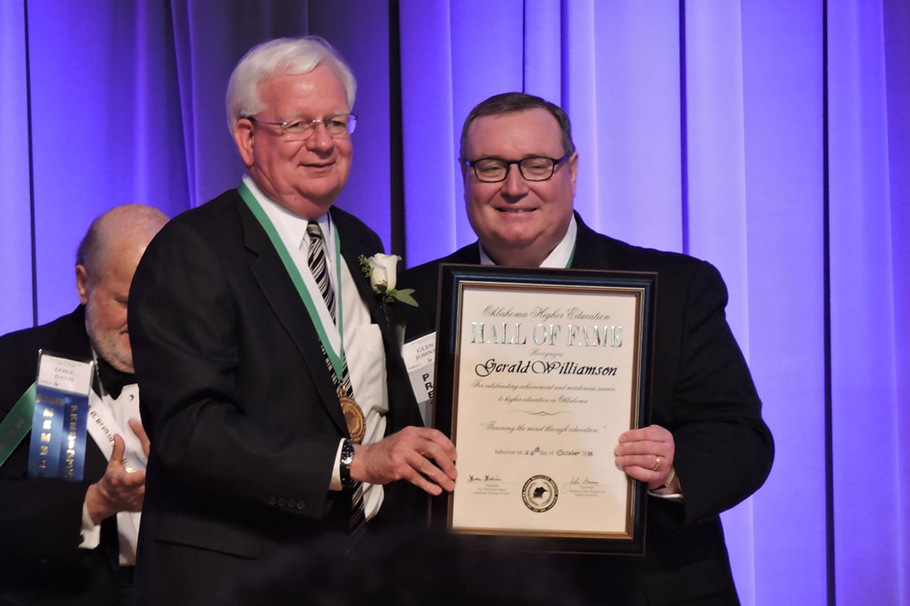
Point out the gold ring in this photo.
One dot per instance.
(656, 464)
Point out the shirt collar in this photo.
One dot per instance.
(558, 258)
(292, 227)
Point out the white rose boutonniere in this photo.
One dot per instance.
(382, 271)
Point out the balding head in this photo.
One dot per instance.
(105, 263)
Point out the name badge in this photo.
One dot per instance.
(57, 448)
(420, 359)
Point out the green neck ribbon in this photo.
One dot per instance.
(337, 359)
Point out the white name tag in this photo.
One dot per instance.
(419, 358)
(64, 374)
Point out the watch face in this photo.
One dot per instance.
(347, 453)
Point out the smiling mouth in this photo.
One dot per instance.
(516, 211)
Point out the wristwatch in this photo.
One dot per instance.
(347, 457)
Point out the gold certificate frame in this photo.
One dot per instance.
(538, 372)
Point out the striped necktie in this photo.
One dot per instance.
(320, 270)
(316, 261)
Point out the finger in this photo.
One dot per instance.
(649, 461)
(423, 474)
(136, 479)
(642, 448)
(421, 482)
(654, 433)
(117, 454)
(440, 455)
(431, 472)
(139, 430)
(122, 480)
(438, 438)
(431, 435)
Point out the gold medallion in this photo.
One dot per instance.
(354, 418)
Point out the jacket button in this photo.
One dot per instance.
(291, 503)
(301, 506)
(281, 502)
(271, 500)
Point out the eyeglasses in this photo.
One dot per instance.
(533, 168)
(299, 129)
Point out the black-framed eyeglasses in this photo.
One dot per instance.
(533, 168)
(299, 129)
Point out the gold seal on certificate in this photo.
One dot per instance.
(353, 416)
(538, 372)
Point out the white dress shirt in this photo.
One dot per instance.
(560, 256)
(109, 416)
(362, 342)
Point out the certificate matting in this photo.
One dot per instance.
(538, 373)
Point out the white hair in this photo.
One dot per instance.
(281, 57)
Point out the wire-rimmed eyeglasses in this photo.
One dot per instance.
(300, 129)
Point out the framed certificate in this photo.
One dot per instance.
(538, 372)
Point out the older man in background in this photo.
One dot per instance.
(277, 402)
(69, 543)
(707, 448)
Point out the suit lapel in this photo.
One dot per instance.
(468, 255)
(402, 405)
(351, 248)
(590, 252)
(284, 300)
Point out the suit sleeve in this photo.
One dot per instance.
(186, 329)
(40, 519)
(724, 450)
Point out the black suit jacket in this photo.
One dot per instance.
(41, 519)
(240, 406)
(701, 391)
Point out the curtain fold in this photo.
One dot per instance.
(208, 44)
(869, 452)
(16, 304)
(716, 199)
(430, 201)
(896, 20)
(103, 132)
(634, 150)
(542, 42)
(783, 103)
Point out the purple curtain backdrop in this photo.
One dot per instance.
(16, 304)
(706, 128)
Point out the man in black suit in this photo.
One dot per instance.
(69, 543)
(707, 448)
(273, 388)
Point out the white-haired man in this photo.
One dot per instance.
(62, 542)
(277, 402)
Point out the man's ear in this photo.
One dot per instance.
(82, 283)
(573, 170)
(243, 137)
